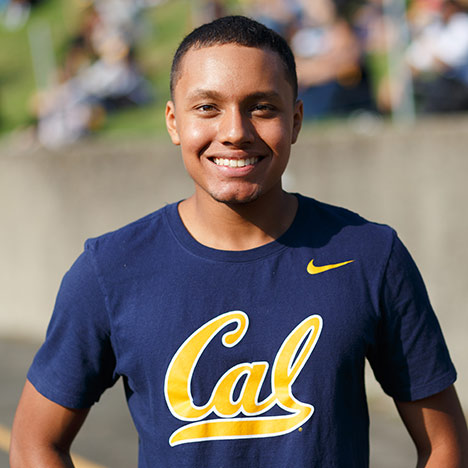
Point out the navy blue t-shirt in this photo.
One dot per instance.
(245, 359)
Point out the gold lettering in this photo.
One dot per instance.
(179, 374)
(288, 364)
(223, 398)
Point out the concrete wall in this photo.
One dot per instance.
(411, 178)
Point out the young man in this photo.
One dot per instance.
(240, 318)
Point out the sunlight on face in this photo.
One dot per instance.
(235, 119)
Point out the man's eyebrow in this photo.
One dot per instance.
(264, 95)
(211, 94)
(201, 93)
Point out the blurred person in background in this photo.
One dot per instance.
(438, 57)
(100, 75)
(279, 15)
(333, 79)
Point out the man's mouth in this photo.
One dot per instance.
(237, 162)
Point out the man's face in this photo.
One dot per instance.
(235, 119)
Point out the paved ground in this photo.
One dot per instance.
(108, 439)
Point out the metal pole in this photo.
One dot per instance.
(42, 54)
(401, 83)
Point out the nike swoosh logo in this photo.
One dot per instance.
(315, 270)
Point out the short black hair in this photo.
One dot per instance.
(236, 30)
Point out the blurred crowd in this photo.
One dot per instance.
(332, 73)
(353, 57)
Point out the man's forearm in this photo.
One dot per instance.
(447, 457)
(39, 457)
(43, 432)
(438, 428)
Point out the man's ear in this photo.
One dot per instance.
(171, 123)
(297, 120)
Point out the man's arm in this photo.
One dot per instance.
(438, 428)
(43, 432)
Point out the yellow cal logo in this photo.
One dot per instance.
(289, 361)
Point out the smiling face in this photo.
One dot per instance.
(235, 118)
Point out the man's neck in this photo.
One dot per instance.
(238, 227)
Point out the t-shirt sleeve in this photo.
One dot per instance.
(410, 358)
(76, 363)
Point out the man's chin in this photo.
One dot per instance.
(236, 199)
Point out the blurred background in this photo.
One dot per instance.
(83, 150)
(82, 67)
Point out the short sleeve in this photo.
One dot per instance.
(76, 363)
(410, 358)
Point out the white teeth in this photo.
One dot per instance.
(235, 162)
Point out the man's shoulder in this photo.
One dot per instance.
(135, 236)
(338, 233)
(332, 219)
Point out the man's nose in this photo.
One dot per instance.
(235, 128)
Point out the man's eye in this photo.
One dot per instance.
(263, 109)
(205, 108)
